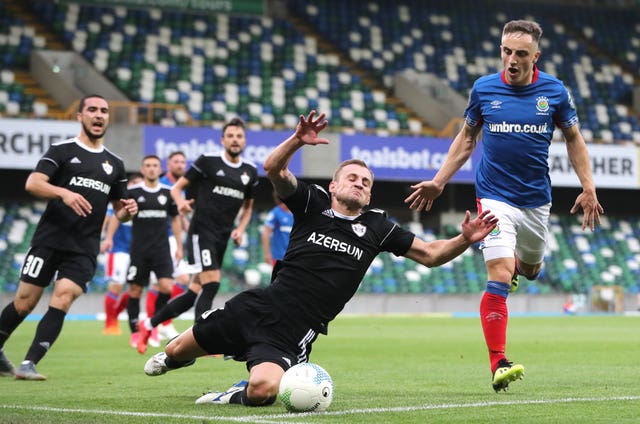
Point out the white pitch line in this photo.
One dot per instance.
(287, 417)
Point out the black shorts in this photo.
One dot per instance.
(143, 263)
(43, 264)
(206, 249)
(252, 330)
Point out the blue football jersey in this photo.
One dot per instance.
(517, 126)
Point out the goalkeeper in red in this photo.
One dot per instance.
(516, 110)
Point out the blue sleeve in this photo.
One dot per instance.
(566, 116)
(473, 113)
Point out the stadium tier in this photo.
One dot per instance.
(339, 57)
(576, 259)
(595, 51)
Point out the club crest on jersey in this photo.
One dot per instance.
(495, 231)
(106, 166)
(245, 178)
(542, 104)
(359, 229)
(162, 199)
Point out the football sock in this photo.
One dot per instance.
(150, 302)
(9, 321)
(110, 308)
(173, 363)
(162, 300)
(241, 398)
(122, 304)
(133, 310)
(47, 332)
(175, 307)
(176, 291)
(494, 316)
(205, 300)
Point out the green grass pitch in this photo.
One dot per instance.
(394, 369)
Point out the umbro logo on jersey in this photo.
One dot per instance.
(220, 173)
(75, 160)
(141, 199)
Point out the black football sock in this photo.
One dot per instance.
(162, 300)
(133, 310)
(9, 321)
(47, 332)
(174, 308)
(241, 398)
(205, 300)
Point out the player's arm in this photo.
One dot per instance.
(183, 205)
(579, 157)
(38, 185)
(111, 227)
(243, 222)
(277, 163)
(176, 227)
(124, 209)
(425, 192)
(265, 236)
(438, 252)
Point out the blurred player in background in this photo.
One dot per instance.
(275, 231)
(116, 244)
(176, 165)
(79, 177)
(150, 240)
(516, 111)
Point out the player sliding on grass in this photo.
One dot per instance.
(333, 242)
(516, 111)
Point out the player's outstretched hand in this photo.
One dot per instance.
(476, 230)
(424, 193)
(588, 201)
(308, 128)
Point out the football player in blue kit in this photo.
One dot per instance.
(516, 111)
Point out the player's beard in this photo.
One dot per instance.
(92, 136)
(234, 154)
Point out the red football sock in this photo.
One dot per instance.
(150, 303)
(494, 316)
(122, 304)
(110, 305)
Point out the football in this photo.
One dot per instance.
(306, 388)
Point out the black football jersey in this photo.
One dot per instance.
(221, 188)
(156, 207)
(328, 255)
(98, 175)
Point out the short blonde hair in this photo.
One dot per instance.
(351, 162)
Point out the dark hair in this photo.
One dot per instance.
(135, 175)
(151, 157)
(84, 99)
(235, 122)
(527, 27)
(177, 152)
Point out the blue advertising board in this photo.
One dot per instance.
(405, 159)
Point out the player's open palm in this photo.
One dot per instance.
(308, 129)
(424, 193)
(477, 229)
